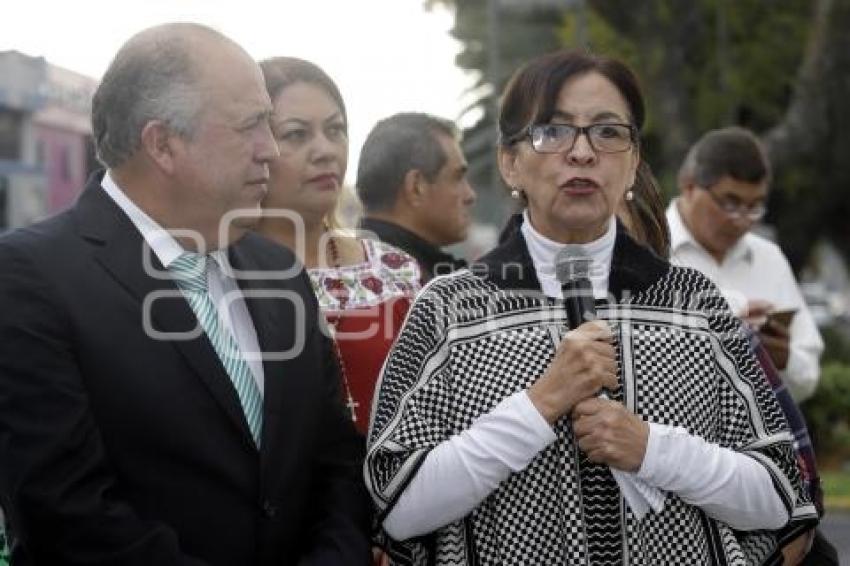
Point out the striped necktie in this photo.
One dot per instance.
(190, 275)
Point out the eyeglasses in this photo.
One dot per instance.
(604, 138)
(737, 209)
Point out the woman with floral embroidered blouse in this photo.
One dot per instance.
(364, 286)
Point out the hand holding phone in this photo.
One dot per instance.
(782, 317)
(776, 336)
(755, 313)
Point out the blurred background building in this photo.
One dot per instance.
(46, 151)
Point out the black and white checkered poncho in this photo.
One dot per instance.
(477, 336)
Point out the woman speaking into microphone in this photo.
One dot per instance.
(648, 436)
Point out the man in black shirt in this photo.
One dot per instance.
(412, 181)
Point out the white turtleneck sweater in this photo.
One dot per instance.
(459, 473)
(543, 250)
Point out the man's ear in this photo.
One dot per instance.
(687, 186)
(413, 188)
(158, 143)
(687, 196)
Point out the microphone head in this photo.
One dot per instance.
(572, 264)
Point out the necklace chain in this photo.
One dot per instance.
(350, 402)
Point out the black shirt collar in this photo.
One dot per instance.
(432, 259)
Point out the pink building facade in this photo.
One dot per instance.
(63, 155)
(46, 151)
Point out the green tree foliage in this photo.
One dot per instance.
(810, 146)
(4, 550)
(521, 33)
(703, 64)
(779, 67)
(828, 415)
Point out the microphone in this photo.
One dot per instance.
(572, 270)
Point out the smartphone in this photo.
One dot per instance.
(783, 317)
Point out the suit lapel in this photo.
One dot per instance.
(121, 251)
(268, 327)
(258, 298)
(274, 305)
(271, 324)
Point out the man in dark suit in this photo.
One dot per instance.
(156, 415)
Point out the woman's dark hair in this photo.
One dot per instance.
(646, 219)
(531, 96)
(282, 72)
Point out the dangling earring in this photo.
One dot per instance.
(630, 195)
(516, 193)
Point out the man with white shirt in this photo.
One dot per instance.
(723, 186)
(167, 395)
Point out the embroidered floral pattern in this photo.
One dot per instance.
(373, 284)
(337, 289)
(387, 272)
(395, 260)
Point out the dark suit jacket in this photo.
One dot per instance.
(118, 448)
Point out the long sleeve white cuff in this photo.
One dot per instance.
(801, 374)
(462, 471)
(727, 485)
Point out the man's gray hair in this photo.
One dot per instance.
(154, 76)
(398, 144)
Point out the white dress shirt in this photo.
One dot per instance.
(755, 268)
(459, 473)
(223, 289)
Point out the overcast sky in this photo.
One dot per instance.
(386, 56)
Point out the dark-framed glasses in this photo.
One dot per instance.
(736, 209)
(604, 138)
